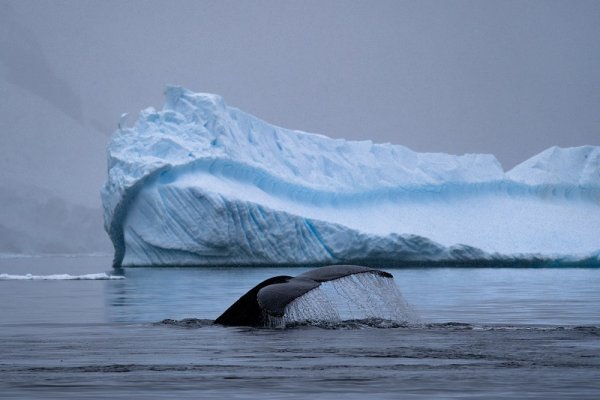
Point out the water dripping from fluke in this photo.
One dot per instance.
(337, 296)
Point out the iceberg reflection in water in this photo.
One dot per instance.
(547, 296)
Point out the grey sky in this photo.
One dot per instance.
(505, 77)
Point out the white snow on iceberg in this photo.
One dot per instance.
(202, 183)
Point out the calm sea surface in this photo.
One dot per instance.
(483, 333)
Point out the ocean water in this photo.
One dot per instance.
(148, 333)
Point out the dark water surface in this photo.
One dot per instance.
(483, 333)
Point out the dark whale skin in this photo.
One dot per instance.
(246, 311)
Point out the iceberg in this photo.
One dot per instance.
(203, 183)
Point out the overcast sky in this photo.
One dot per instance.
(509, 78)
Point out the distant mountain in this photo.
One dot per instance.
(33, 221)
(52, 162)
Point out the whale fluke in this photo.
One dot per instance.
(270, 297)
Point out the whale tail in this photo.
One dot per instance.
(271, 297)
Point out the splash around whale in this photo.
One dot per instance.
(202, 183)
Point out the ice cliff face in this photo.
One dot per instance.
(201, 183)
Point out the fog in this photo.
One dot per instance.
(509, 78)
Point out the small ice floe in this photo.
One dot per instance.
(102, 276)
